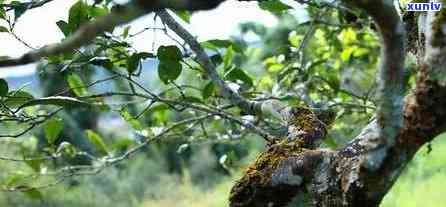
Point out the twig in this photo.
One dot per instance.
(206, 63)
(89, 31)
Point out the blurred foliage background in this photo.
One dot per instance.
(322, 56)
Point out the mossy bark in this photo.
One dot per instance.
(362, 172)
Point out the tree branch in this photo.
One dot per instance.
(28, 5)
(91, 30)
(207, 64)
(390, 79)
(364, 171)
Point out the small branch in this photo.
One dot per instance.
(89, 31)
(211, 110)
(82, 37)
(206, 63)
(21, 40)
(35, 122)
(71, 171)
(29, 5)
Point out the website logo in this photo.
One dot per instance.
(419, 7)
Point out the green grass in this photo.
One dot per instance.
(423, 183)
(187, 194)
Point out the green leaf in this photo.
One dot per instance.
(227, 59)
(76, 84)
(2, 13)
(126, 31)
(184, 15)
(52, 130)
(94, 11)
(56, 101)
(220, 43)
(17, 181)
(239, 74)
(129, 119)
(169, 68)
(123, 145)
(33, 193)
(64, 27)
(19, 9)
(274, 6)
(169, 53)
(217, 43)
(78, 14)
(169, 71)
(14, 180)
(208, 45)
(134, 61)
(159, 107)
(17, 98)
(216, 59)
(97, 140)
(34, 164)
(3, 29)
(208, 90)
(3, 87)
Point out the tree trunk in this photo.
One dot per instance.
(361, 173)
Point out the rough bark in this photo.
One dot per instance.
(361, 173)
(349, 177)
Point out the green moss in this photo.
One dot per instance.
(255, 185)
(268, 161)
(259, 174)
(304, 121)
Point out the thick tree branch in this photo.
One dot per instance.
(363, 172)
(390, 80)
(424, 118)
